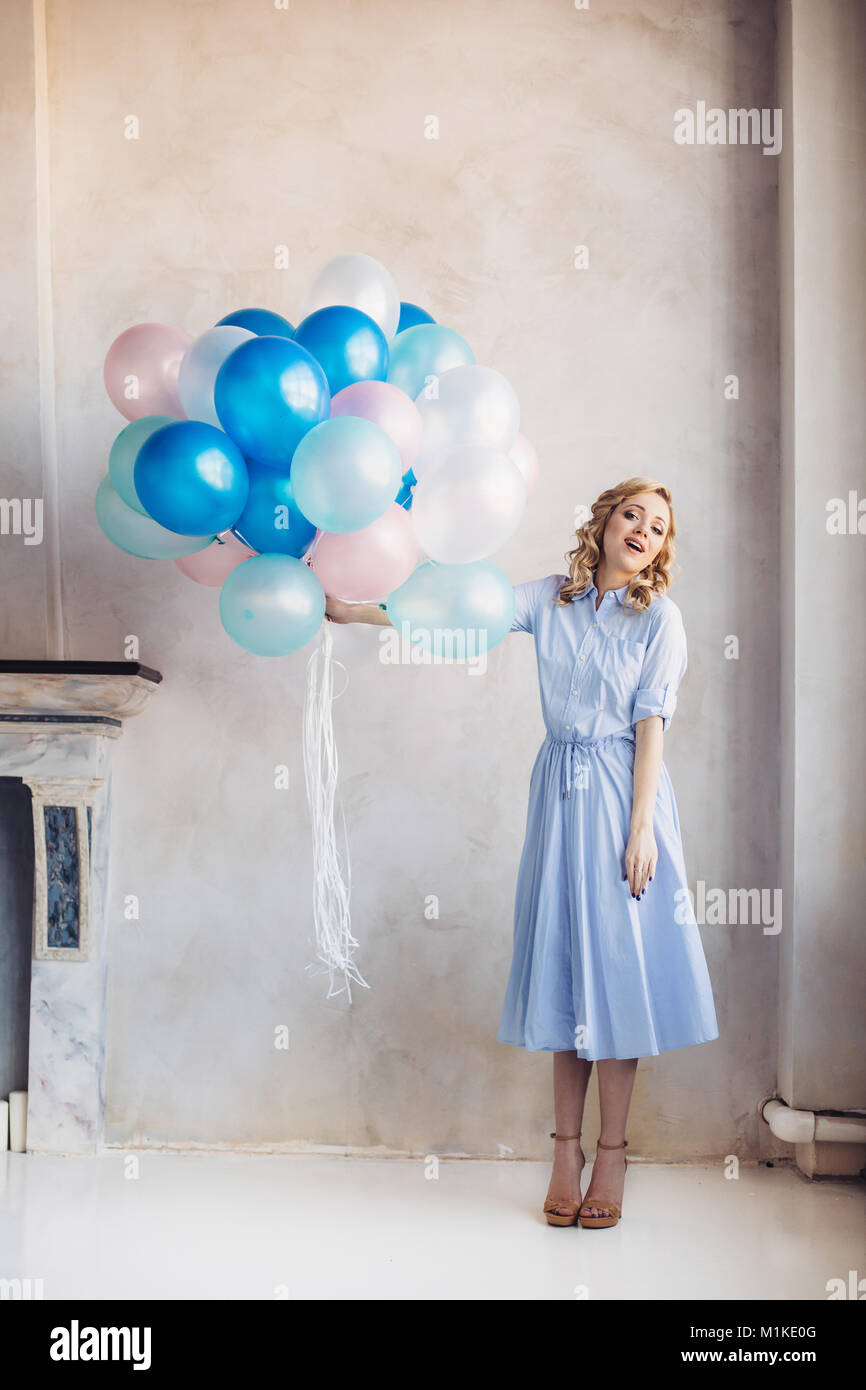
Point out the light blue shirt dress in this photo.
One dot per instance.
(593, 968)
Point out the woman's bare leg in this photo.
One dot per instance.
(615, 1085)
(570, 1080)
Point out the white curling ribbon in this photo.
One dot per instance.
(331, 886)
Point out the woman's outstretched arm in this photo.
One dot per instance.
(341, 612)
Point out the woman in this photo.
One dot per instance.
(607, 963)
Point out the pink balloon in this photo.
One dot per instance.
(367, 565)
(389, 408)
(141, 369)
(523, 454)
(213, 565)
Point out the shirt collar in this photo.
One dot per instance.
(620, 593)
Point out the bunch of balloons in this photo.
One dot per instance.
(363, 454)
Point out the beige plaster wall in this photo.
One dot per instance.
(262, 127)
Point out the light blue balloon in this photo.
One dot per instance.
(272, 604)
(124, 451)
(425, 351)
(346, 472)
(139, 534)
(453, 612)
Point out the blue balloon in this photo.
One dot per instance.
(272, 604)
(453, 612)
(348, 345)
(410, 314)
(268, 393)
(404, 496)
(259, 321)
(191, 478)
(271, 522)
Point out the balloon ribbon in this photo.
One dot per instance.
(335, 943)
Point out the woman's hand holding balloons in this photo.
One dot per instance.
(336, 611)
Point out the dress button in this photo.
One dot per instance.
(568, 726)
(574, 692)
(581, 658)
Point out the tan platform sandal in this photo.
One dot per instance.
(554, 1217)
(612, 1210)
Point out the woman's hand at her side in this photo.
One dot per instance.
(641, 857)
(641, 851)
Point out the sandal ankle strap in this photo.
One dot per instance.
(623, 1145)
(554, 1135)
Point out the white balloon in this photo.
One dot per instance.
(436, 439)
(199, 366)
(359, 281)
(468, 505)
(475, 405)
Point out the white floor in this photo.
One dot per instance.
(265, 1226)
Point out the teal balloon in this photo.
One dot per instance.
(425, 351)
(346, 473)
(271, 521)
(272, 604)
(412, 314)
(139, 534)
(453, 611)
(124, 451)
(258, 321)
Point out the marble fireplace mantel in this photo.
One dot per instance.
(58, 720)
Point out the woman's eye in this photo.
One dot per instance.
(657, 529)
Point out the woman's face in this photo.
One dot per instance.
(636, 531)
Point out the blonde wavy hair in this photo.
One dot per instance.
(583, 559)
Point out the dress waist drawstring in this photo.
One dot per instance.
(574, 765)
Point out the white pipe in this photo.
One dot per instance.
(805, 1127)
(18, 1121)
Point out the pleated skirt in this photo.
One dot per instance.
(592, 968)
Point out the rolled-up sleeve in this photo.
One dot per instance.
(664, 666)
(526, 598)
